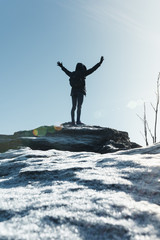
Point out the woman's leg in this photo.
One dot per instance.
(74, 103)
(80, 102)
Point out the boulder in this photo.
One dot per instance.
(71, 138)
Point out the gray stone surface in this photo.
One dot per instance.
(69, 138)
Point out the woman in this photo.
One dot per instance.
(77, 82)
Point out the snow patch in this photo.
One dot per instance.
(64, 195)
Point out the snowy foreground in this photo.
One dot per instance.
(65, 195)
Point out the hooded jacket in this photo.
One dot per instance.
(83, 72)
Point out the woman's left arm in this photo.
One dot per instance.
(94, 68)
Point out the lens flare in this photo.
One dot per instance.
(58, 128)
(40, 132)
(51, 130)
(46, 130)
(35, 132)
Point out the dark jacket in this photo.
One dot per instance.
(84, 73)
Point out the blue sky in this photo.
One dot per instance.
(35, 34)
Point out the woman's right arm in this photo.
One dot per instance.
(64, 69)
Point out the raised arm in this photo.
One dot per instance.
(91, 70)
(64, 69)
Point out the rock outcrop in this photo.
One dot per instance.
(69, 138)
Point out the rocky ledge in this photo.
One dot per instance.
(69, 138)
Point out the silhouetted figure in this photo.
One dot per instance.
(77, 82)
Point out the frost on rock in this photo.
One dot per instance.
(80, 195)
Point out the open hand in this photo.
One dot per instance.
(102, 59)
(59, 64)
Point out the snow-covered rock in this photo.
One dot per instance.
(70, 138)
(80, 195)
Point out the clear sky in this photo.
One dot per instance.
(35, 34)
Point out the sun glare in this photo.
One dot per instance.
(43, 131)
